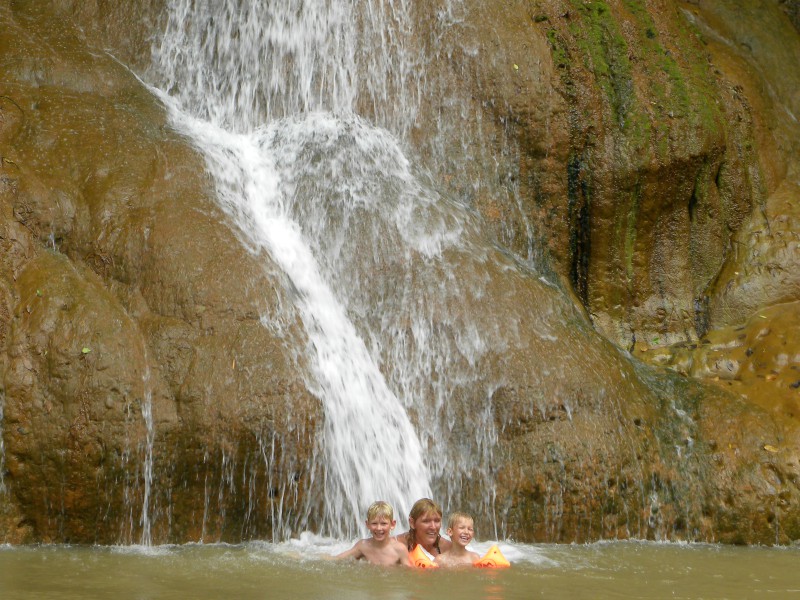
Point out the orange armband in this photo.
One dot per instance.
(493, 559)
(420, 559)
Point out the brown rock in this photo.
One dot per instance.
(628, 143)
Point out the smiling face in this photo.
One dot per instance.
(427, 528)
(380, 527)
(461, 532)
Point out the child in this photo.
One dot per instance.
(381, 548)
(461, 532)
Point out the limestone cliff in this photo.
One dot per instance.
(644, 152)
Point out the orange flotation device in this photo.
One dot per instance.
(421, 560)
(493, 559)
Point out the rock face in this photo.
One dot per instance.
(662, 142)
(648, 149)
(653, 152)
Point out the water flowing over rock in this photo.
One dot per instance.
(537, 259)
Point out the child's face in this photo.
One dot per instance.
(380, 527)
(461, 532)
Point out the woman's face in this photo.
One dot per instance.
(427, 528)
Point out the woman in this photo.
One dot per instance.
(424, 523)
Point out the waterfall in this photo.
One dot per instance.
(243, 63)
(147, 468)
(299, 58)
(300, 109)
(2, 445)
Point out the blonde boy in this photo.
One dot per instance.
(460, 530)
(381, 548)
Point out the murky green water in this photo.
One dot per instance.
(297, 570)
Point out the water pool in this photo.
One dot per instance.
(299, 569)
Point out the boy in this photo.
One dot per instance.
(381, 548)
(461, 531)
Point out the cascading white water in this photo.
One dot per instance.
(271, 94)
(2, 446)
(395, 252)
(365, 424)
(243, 63)
(298, 57)
(147, 467)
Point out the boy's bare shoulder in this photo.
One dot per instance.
(362, 547)
(399, 547)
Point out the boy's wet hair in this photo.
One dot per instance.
(380, 509)
(455, 517)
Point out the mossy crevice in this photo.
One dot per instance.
(579, 214)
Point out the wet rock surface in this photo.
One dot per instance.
(651, 161)
(662, 177)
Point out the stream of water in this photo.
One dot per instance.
(361, 411)
(275, 98)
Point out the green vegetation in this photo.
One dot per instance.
(559, 48)
(707, 113)
(674, 90)
(599, 38)
(658, 96)
(626, 220)
(688, 91)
